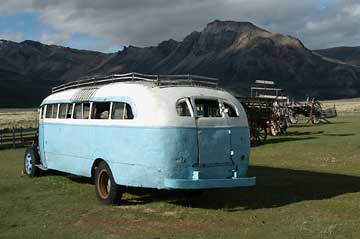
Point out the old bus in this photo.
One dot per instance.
(164, 132)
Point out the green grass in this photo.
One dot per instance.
(308, 187)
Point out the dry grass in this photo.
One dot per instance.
(344, 106)
(17, 118)
(28, 117)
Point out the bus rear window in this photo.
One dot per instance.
(207, 108)
(231, 110)
(182, 108)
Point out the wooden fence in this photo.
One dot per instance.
(16, 137)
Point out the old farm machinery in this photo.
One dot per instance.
(311, 109)
(269, 111)
(266, 110)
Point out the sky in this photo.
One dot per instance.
(109, 25)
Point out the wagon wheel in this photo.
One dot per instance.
(258, 134)
(315, 119)
(293, 118)
(107, 191)
(273, 129)
(316, 112)
(282, 125)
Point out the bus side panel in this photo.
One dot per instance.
(41, 144)
(240, 144)
(144, 156)
(68, 147)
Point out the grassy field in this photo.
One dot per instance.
(308, 186)
(26, 118)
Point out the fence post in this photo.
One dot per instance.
(21, 134)
(13, 133)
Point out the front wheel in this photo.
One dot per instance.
(31, 158)
(107, 191)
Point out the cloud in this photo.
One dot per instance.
(318, 24)
(353, 10)
(12, 36)
(54, 38)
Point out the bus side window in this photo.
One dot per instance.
(62, 111)
(78, 111)
(231, 110)
(86, 110)
(69, 111)
(121, 111)
(48, 112)
(41, 112)
(100, 110)
(54, 111)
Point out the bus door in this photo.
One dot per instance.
(214, 144)
(40, 135)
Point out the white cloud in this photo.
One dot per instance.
(353, 10)
(13, 6)
(12, 36)
(54, 38)
(148, 22)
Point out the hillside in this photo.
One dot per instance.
(47, 62)
(349, 55)
(20, 91)
(240, 53)
(236, 52)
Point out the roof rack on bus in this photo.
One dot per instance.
(157, 80)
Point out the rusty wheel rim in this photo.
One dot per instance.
(104, 184)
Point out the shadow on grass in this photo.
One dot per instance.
(340, 135)
(297, 133)
(287, 139)
(309, 124)
(275, 187)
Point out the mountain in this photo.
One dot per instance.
(46, 62)
(19, 91)
(239, 53)
(350, 55)
(29, 69)
(236, 52)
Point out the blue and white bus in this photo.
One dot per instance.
(164, 132)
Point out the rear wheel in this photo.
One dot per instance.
(31, 158)
(107, 191)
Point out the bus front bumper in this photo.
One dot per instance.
(209, 183)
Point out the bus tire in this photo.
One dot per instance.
(31, 158)
(107, 191)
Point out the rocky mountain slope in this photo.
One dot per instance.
(236, 52)
(240, 53)
(350, 55)
(29, 69)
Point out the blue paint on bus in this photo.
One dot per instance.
(136, 154)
